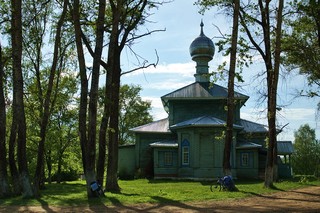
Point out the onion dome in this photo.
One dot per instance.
(202, 51)
(202, 47)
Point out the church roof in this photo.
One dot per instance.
(160, 126)
(252, 127)
(203, 121)
(200, 91)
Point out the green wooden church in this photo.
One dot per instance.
(189, 143)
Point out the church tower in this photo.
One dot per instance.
(202, 51)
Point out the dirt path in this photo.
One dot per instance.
(298, 200)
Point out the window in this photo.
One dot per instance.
(185, 152)
(168, 158)
(244, 159)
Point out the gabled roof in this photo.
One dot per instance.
(200, 91)
(160, 126)
(284, 147)
(252, 127)
(203, 121)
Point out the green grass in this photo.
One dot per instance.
(148, 191)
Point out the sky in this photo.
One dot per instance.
(175, 69)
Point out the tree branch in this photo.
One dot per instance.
(143, 35)
(143, 65)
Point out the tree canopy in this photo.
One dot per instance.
(306, 157)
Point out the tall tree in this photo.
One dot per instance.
(271, 58)
(4, 186)
(18, 108)
(126, 16)
(88, 133)
(230, 100)
(83, 82)
(48, 102)
(257, 21)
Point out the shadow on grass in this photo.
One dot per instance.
(44, 205)
(279, 197)
(159, 202)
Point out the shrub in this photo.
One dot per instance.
(70, 175)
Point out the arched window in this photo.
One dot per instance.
(185, 152)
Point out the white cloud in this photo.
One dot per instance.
(299, 114)
(183, 69)
(157, 110)
(170, 84)
(155, 101)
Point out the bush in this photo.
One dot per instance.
(70, 175)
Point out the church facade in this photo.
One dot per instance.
(189, 143)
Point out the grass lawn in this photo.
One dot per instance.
(148, 191)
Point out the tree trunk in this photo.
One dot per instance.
(113, 135)
(16, 185)
(16, 32)
(4, 186)
(272, 82)
(230, 100)
(49, 166)
(101, 162)
(84, 84)
(46, 110)
(59, 168)
(277, 62)
(113, 87)
(113, 130)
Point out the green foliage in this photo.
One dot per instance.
(68, 175)
(306, 158)
(133, 111)
(301, 42)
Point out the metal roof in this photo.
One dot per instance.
(252, 127)
(200, 91)
(284, 147)
(160, 126)
(203, 121)
(163, 125)
(165, 144)
(247, 145)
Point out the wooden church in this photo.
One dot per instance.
(189, 143)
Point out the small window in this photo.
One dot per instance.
(168, 158)
(185, 155)
(244, 159)
(185, 152)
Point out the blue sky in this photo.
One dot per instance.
(175, 69)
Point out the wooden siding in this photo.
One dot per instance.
(126, 162)
(161, 169)
(144, 152)
(185, 110)
(251, 169)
